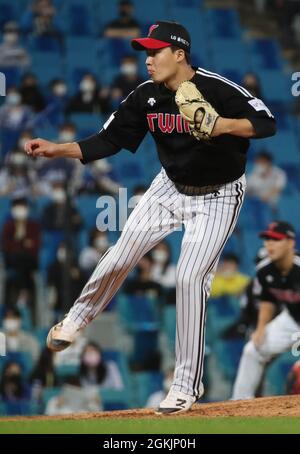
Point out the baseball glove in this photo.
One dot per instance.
(194, 108)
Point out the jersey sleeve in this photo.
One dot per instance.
(127, 127)
(238, 103)
(261, 292)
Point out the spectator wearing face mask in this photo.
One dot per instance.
(14, 118)
(89, 98)
(14, 391)
(163, 271)
(266, 181)
(95, 371)
(228, 279)
(125, 26)
(17, 340)
(15, 175)
(20, 245)
(60, 215)
(127, 80)
(56, 102)
(31, 93)
(12, 54)
(65, 262)
(91, 254)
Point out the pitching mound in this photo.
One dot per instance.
(263, 407)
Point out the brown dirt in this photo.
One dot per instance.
(267, 406)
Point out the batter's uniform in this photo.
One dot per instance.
(201, 185)
(281, 333)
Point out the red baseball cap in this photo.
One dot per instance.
(164, 34)
(278, 230)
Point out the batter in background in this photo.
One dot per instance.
(201, 129)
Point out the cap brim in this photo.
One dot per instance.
(269, 234)
(148, 43)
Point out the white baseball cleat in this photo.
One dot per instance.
(62, 335)
(175, 402)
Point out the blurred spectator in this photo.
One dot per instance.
(20, 245)
(91, 254)
(228, 279)
(88, 99)
(95, 371)
(31, 93)
(251, 83)
(143, 284)
(293, 379)
(44, 375)
(60, 214)
(16, 175)
(97, 178)
(18, 341)
(14, 118)
(288, 12)
(163, 271)
(127, 80)
(266, 182)
(67, 132)
(12, 54)
(56, 102)
(41, 20)
(74, 399)
(125, 26)
(14, 390)
(59, 283)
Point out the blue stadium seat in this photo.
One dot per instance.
(265, 53)
(144, 384)
(289, 209)
(223, 23)
(47, 66)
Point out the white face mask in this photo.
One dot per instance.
(129, 69)
(66, 136)
(60, 90)
(19, 212)
(10, 37)
(261, 169)
(13, 99)
(18, 159)
(101, 243)
(61, 254)
(92, 359)
(87, 86)
(59, 195)
(160, 256)
(11, 325)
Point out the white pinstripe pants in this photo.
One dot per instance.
(208, 220)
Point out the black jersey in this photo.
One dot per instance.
(151, 108)
(274, 287)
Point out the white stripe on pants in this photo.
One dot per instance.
(208, 220)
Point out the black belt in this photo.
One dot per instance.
(202, 190)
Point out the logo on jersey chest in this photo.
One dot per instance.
(167, 123)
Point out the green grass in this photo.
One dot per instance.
(225, 425)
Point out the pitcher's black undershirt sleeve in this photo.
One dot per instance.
(263, 126)
(96, 147)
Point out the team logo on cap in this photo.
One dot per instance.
(153, 27)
